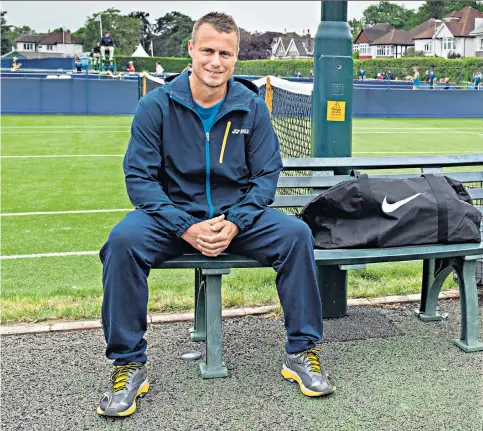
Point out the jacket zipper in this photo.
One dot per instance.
(207, 151)
(224, 141)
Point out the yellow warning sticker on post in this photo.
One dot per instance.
(335, 110)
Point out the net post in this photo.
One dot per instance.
(332, 123)
(144, 85)
(269, 95)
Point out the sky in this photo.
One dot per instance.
(251, 15)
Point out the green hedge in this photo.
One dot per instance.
(141, 64)
(457, 70)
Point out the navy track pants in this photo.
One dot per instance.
(138, 242)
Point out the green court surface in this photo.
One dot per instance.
(63, 191)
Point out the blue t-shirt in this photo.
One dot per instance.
(208, 115)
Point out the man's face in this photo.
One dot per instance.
(108, 34)
(214, 55)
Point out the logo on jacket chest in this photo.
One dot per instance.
(240, 131)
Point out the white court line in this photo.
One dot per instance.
(411, 132)
(100, 127)
(53, 156)
(417, 128)
(67, 253)
(65, 212)
(410, 152)
(55, 132)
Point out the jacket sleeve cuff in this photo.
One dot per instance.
(241, 225)
(185, 226)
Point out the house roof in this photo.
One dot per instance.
(375, 32)
(463, 26)
(49, 39)
(300, 43)
(30, 38)
(395, 37)
(59, 37)
(426, 29)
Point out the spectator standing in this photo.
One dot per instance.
(416, 79)
(131, 68)
(432, 79)
(362, 74)
(477, 79)
(159, 68)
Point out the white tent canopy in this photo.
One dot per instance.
(140, 52)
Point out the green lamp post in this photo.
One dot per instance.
(332, 122)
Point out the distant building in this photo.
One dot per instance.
(461, 32)
(291, 46)
(53, 44)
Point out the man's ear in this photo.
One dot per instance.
(190, 48)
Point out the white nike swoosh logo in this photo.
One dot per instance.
(389, 208)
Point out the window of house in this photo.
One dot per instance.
(28, 46)
(383, 50)
(428, 46)
(364, 49)
(50, 47)
(355, 48)
(481, 44)
(449, 44)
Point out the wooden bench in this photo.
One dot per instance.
(438, 260)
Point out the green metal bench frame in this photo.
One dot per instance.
(438, 260)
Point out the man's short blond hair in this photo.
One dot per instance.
(220, 21)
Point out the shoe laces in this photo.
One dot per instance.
(311, 357)
(120, 374)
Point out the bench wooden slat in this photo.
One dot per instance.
(334, 257)
(393, 254)
(287, 201)
(332, 180)
(292, 201)
(476, 193)
(324, 163)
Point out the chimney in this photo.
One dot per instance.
(68, 37)
(308, 41)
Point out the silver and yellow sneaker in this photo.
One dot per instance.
(304, 368)
(127, 383)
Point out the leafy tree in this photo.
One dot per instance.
(184, 47)
(430, 9)
(256, 46)
(392, 13)
(58, 29)
(125, 31)
(6, 40)
(146, 27)
(355, 26)
(171, 30)
(450, 5)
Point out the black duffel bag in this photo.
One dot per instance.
(382, 212)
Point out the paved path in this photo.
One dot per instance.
(393, 373)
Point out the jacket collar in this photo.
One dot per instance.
(238, 96)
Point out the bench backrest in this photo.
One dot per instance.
(303, 179)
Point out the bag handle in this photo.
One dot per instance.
(442, 206)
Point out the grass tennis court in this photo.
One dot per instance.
(57, 168)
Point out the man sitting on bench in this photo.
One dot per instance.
(107, 43)
(201, 169)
